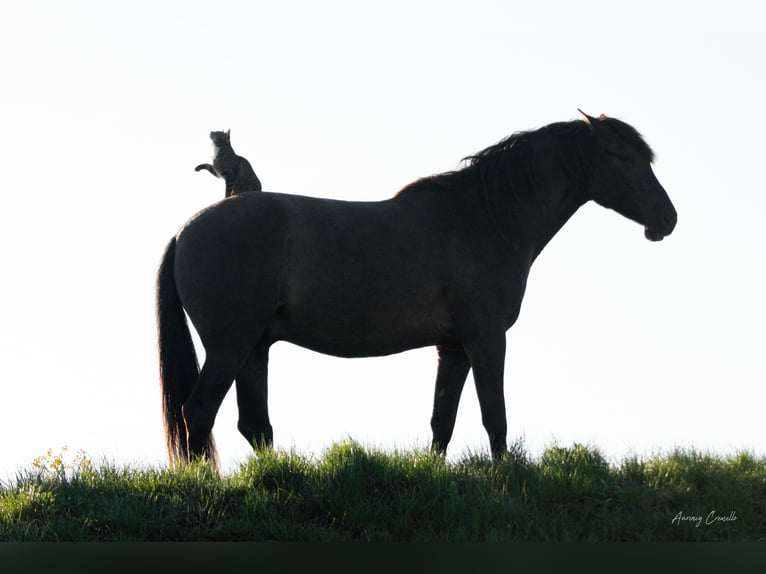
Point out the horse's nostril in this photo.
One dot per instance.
(670, 218)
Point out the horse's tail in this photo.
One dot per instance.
(179, 368)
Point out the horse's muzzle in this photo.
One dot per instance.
(654, 234)
(661, 231)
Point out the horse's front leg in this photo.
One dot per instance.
(488, 363)
(450, 379)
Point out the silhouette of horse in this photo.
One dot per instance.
(444, 262)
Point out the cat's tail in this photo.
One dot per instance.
(208, 167)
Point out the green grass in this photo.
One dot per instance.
(356, 494)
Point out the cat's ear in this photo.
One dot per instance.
(228, 132)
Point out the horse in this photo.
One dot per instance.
(442, 263)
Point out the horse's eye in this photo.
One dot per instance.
(621, 156)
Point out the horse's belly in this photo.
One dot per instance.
(364, 335)
(353, 347)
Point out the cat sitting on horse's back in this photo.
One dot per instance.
(235, 170)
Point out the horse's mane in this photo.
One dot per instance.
(516, 162)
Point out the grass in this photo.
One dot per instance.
(356, 494)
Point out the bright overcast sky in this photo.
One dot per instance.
(631, 346)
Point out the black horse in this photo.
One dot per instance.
(444, 262)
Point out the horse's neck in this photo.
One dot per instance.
(568, 201)
(534, 217)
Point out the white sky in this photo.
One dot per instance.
(632, 346)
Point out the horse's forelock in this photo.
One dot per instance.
(632, 137)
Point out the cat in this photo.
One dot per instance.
(235, 170)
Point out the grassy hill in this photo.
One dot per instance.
(356, 494)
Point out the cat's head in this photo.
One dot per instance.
(221, 139)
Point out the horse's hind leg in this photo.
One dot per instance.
(201, 408)
(252, 398)
(450, 379)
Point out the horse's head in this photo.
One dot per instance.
(623, 179)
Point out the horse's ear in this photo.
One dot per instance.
(591, 121)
